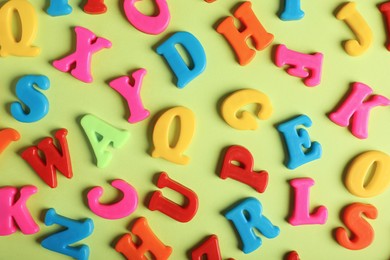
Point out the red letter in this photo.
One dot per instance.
(362, 232)
(54, 158)
(208, 250)
(385, 10)
(150, 243)
(180, 213)
(244, 172)
(95, 7)
(253, 29)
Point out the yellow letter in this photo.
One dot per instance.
(29, 25)
(245, 121)
(174, 152)
(360, 168)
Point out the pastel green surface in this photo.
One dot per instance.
(70, 99)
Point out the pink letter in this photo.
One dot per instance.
(79, 62)
(301, 214)
(148, 24)
(121, 209)
(356, 109)
(14, 211)
(306, 66)
(132, 94)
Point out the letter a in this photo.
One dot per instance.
(301, 214)
(244, 172)
(14, 211)
(132, 95)
(180, 213)
(207, 250)
(149, 243)
(54, 158)
(247, 216)
(74, 231)
(356, 109)
(101, 135)
(79, 62)
(194, 48)
(237, 38)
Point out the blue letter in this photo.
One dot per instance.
(195, 51)
(292, 10)
(296, 139)
(246, 216)
(74, 232)
(37, 105)
(59, 7)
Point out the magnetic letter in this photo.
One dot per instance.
(244, 120)
(194, 48)
(79, 62)
(29, 27)
(180, 213)
(244, 171)
(54, 158)
(292, 10)
(75, 230)
(356, 109)
(132, 95)
(238, 38)
(362, 234)
(101, 135)
(301, 214)
(59, 7)
(162, 147)
(37, 105)
(13, 211)
(7, 136)
(295, 139)
(385, 10)
(305, 66)
(359, 169)
(247, 216)
(350, 15)
(207, 250)
(148, 24)
(150, 243)
(95, 7)
(120, 209)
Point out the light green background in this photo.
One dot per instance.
(318, 31)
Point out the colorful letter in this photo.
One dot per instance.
(79, 62)
(149, 243)
(292, 10)
(148, 24)
(207, 250)
(74, 232)
(306, 66)
(37, 105)
(194, 48)
(59, 7)
(361, 231)
(385, 10)
(120, 209)
(101, 135)
(247, 216)
(180, 213)
(350, 15)
(29, 27)
(295, 139)
(95, 7)
(244, 120)
(356, 109)
(243, 172)
(301, 214)
(238, 38)
(356, 176)
(54, 158)
(13, 211)
(162, 147)
(7, 136)
(132, 94)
